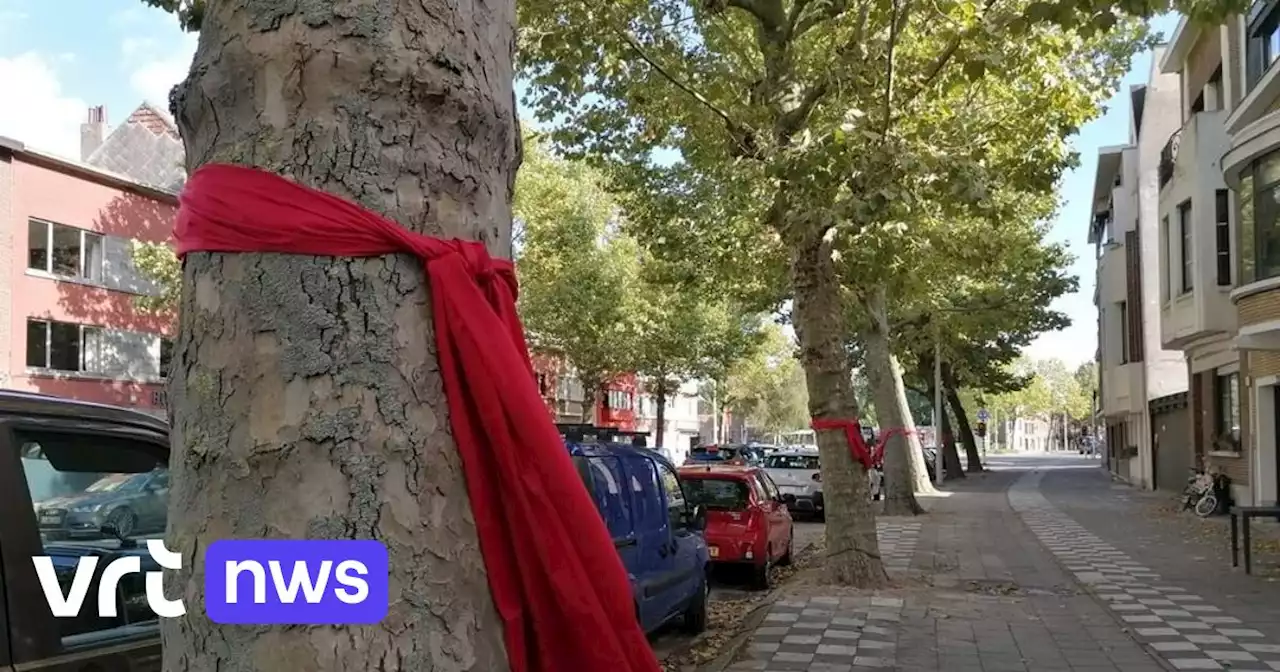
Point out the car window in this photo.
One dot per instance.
(646, 494)
(613, 500)
(766, 484)
(808, 462)
(81, 483)
(717, 494)
(675, 496)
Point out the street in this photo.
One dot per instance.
(1043, 564)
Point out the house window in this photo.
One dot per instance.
(1166, 257)
(1227, 410)
(1259, 197)
(166, 358)
(64, 251)
(60, 346)
(1263, 47)
(1124, 332)
(1222, 236)
(1184, 253)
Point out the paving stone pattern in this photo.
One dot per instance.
(826, 634)
(829, 634)
(897, 543)
(1183, 628)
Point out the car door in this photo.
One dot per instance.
(38, 461)
(654, 560)
(687, 571)
(779, 517)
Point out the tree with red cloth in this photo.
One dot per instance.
(349, 365)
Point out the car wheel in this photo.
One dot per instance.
(695, 616)
(786, 559)
(763, 577)
(123, 520)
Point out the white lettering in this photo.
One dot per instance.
(345, 569)
(259, 580)
(301, 578)
(110, 581)
(68, 606)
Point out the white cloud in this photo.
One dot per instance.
(155, 70)
(41, 115)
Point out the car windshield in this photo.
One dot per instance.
(706, 455)
(118, 483)
(717, 494)
(791, 462)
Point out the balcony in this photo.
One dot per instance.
(1194, 179)
(1122, 389)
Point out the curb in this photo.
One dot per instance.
(746, 628)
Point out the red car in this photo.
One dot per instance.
(747, 518)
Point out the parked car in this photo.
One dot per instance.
(657, 530)
(726, 453)
(798, 473)
(128, 503)
(747, 518)
(80, 464)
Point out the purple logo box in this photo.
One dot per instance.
(295, 582)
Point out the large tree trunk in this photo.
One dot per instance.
(661, 420)
(853, 552)
(892, 413)
(590, 402)
(947, 442)
(307, 398)
(970, 442)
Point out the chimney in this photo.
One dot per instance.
(92, 132)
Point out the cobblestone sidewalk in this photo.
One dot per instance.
(979, 594)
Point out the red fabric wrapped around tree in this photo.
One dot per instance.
(557, 581)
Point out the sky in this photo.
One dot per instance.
(55, 64)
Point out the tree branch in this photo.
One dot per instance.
(948, 52)
(741, 136)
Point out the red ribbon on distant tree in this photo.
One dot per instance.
(556, 578)
(868, 457)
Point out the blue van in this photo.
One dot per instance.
(657, 532)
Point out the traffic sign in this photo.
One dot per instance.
(983, 415)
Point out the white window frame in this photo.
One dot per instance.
(48, 241)
(48, 345)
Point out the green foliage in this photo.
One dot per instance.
(158, 262)
(683, 335)
(189, 12)
(576, 271)
(1051, 388)
(767, 387)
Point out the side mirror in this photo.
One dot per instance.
(699, 522)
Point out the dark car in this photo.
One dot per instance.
(658, 532)
(726, 453)
(85, 461)
(128, 503)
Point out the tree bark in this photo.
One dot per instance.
(970, 442)
(307, 397)
(661, 420)
(853, 551)
(884, 375)
(947, 442)
(590, 402)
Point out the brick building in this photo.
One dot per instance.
(68, 321)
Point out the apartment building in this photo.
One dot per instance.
(1251, 169)
(1134, 366)
(1198, 247)
(69, 325)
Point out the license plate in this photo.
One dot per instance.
(50, 518)
(715, 552)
